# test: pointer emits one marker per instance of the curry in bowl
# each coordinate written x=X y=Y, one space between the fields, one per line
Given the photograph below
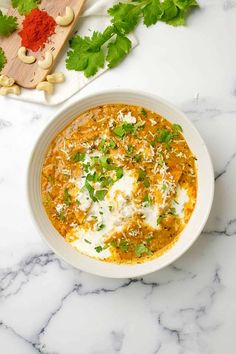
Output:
x=119 y=183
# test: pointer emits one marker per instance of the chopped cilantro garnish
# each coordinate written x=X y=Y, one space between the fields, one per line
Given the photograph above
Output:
x=144 y=112
x=78 y=156
x=86 y=167
x=124 y=245
x=112 y=144
x=130 y=149
x=172 y=211
x=147 y=200
x=100 y=227
x=149 y=239
x=140 y=249
x=49 y=179
x=100 y=194
x=87 y=241
x=119 y=131
x=138 y=125
x=98 y=249
x=110 y=207
x=177 y=128
x=165 y=136
x=160 y=219
x=119 y=173
x=67 y=197
x=106 y=181
x=105 y=162
x=91 y=191
x=92 y=177
x=127 y=128
x=141 y=175
x=164 y=187
x=146 y=183
x=103 y=146
x=62 y=216
x=113 y=243
x=138 y=158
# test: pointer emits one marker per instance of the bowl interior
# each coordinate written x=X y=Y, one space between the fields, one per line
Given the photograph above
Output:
x=198 y=218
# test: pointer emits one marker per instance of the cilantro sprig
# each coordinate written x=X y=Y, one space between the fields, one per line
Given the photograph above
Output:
x=89 y=54
x=8 y=25
x=25 y=6
x=3 y=59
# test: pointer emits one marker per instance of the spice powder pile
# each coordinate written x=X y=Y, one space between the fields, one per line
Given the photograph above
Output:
x=38 y=26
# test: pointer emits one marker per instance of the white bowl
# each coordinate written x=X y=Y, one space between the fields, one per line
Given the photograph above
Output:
x=204 y=195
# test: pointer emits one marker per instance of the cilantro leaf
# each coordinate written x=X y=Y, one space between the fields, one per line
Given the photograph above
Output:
x=78 y=156
x=119 y=131
x=141 y=174
x=3 y=59
x=144 y=112
x=100 y=227
x=117 y=50
x=152 y=12
x=124 y=246
x=140 y=249
x=119 y=173
x=160 y=219
x=87 y=241
x=98 y=249
x=25 y=6
x=91 y=191
x=67 y=197
x=147 y=200
x=177 y=128
x=100 y=194
x=8 y=24
x=169 y=9
x=165 y=136
x=125 y=17
x=86 y=54
x=185 y=4
x=183 y=7
x=112 y=144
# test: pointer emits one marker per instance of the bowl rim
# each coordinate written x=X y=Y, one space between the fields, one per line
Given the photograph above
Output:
x=152 y=97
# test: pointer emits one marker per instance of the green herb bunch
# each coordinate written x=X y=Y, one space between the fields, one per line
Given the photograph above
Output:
x=89 y=54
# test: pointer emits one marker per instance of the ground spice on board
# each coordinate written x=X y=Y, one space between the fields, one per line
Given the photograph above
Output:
x=38 y=26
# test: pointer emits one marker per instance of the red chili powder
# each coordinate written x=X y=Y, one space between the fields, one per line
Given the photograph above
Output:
x=38 y=26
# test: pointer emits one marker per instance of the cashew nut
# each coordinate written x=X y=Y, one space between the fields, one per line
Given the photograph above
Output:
x=6 y=81
x=22 y=55
x=15 y=90
x=67 y=19
x=46 y=87
x=56 y=78
x=47 y=62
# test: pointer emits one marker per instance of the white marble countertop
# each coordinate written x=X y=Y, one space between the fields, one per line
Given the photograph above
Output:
x=188 y=308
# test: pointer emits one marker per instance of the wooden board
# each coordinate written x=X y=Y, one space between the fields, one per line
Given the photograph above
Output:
x=29 y=75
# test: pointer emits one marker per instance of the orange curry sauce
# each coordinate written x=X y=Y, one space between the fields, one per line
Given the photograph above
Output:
x=95 y=153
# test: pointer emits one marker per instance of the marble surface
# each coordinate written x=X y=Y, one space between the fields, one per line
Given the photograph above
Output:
x=188 y=308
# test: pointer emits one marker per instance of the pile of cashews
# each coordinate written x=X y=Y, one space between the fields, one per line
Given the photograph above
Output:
x=8 y=86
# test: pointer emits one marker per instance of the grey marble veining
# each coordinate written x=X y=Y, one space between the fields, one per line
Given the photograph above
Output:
x=189 y=307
